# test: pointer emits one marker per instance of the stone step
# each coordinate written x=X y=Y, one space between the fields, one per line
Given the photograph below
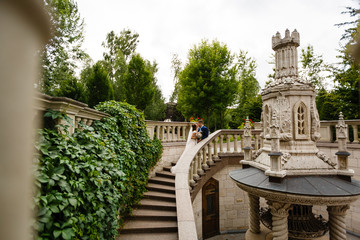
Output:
x=160 y=196
x=148 y=236
x=160 y=188
x=165 y=174
x=163 y=181
x=167 y=169
x=149 y=226
x=151 y=214
x=156 y=205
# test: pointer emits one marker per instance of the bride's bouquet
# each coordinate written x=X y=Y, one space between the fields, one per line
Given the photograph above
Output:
x=198 y=135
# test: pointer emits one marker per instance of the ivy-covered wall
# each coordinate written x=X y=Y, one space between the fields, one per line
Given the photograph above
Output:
x=89 y=181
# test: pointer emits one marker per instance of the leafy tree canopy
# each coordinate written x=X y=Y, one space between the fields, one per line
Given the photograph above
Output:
x=208 y=80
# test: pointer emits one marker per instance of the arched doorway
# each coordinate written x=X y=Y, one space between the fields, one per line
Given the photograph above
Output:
x=210 y=208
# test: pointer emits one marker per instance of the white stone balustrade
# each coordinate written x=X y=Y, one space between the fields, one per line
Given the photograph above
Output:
x=327 y=128
x=76 y=111
x=168 y=131
x=193 y=165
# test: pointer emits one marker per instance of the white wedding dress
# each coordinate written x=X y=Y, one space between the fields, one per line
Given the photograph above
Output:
x=190 y=143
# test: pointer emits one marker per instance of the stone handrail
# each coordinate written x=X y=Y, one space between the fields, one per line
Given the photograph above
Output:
x=76 y=111
x=326 y=130
x=194 y=163
x=168 y=131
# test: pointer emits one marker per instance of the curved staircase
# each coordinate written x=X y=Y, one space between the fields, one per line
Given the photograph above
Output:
x=155 y=216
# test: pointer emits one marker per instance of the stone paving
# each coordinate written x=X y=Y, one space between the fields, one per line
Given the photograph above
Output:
x=241 y=236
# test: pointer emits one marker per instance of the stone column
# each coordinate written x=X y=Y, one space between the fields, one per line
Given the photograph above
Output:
x=173 y=133
x=215 y=149
x=178 y=133
x=254 y=221
x=204 y=165
x=158 y=132
x=209 y=161
x=337 y=226
x=200 y=171
x=168 y=133
x=280 y=213
x=228 y=143
x=355 y=131
x=221 y=143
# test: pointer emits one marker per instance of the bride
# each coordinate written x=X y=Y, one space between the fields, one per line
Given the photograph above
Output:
x=191 y=141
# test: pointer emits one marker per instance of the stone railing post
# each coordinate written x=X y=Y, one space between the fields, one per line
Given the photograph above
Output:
x=168 y=133
x=158 y=132
x=280 y=213
x=355 y=133
x=204 y=165
x=200 y=171
x=254 y=221
x=209 y=161
x=173 y=133
x=257 y=140
x=178 y=133
x=236 y=143
x=191 y=176
x=195 y=168
x=337 y=226
x=221 y=143
x=228 y=149
x=242 y=141
x=215 y=148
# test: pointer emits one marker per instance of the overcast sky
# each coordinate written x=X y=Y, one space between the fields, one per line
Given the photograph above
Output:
x=174 y=26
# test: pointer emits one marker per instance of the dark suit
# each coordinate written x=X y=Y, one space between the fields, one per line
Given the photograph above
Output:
x=204 y=132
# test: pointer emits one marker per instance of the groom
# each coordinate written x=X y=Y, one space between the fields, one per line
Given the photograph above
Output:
x=204 y=130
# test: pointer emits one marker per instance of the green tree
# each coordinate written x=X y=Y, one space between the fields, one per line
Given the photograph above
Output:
x=72 y=88
x=63 y=52
x=157 y=108
x=139 y=83
x=313 y=67
x=207 y=82
x=99 y=86
x=176 y=67
x=119 y=48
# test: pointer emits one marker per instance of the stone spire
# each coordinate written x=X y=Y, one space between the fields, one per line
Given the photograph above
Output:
x=286 y=58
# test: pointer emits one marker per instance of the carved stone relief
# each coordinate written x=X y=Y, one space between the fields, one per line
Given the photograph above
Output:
x=315 y=122
x=283 y=113
x=325 y=158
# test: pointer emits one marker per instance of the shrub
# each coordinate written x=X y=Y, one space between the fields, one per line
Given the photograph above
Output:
x=88 y=182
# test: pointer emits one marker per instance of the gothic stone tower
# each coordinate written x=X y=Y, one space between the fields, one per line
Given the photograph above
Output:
x=289 y=171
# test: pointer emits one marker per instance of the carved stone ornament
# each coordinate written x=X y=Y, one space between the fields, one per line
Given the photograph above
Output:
x=258 y=152
x=285 y=158
x=325 y=158
x=315 y=122
x=341 y=127
x=283 y=114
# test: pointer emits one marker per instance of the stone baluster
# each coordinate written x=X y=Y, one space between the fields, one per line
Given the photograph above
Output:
x=200 y=171
x=84 y=121
x=221 y=143
x=236 y=143
x=355 y=133
x=173 y=133
x=209 y=161
x=77 y=120
x=178 y=133
x=168 y=133
x=254 y=214
x=337 y=226
x=158 y=132
x=204 y=165
x=89 y=122
x=195 y=168
x=162 y=133
x=191 y=176
x=280 y=213
x=215 y=149
x=242 y=141
x=228 y=136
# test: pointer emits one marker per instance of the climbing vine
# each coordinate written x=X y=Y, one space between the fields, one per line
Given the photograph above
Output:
x=89 y=181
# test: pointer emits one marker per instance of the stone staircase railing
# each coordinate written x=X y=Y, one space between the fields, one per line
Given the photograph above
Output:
x=194 y=163
x=168 y=131
x=77 y=111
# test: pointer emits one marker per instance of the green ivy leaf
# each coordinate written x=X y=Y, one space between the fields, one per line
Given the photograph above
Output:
x=67 y=233
x=73 y=201
x=57 y=233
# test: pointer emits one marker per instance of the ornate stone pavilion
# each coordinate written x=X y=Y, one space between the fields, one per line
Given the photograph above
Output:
x=289 y=171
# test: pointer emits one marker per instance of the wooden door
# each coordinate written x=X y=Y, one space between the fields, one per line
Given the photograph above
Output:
x=210 y=205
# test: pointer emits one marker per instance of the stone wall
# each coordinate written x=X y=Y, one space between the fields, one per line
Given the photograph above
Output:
x=171 y=153
x=232 y=200
x=353 y=214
